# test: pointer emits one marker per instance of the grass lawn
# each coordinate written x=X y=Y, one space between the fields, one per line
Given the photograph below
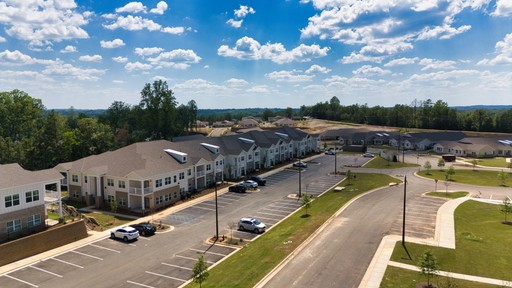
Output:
x=482 y=241
x=491 y=162
x=473 y=177
x=249 y=265
x=450 y=195
x=55 y=216
x=381 y=163
x=402 y=278
x=107 y=221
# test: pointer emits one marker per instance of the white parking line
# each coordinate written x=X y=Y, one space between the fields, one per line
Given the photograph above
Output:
x=267 y=218
x=204 y=208
x=86 y=255
x=270 y=214
x=46 y=271
x=14 y=278
x=181 y=267
x=133 y=245
x=140 y=284
x=213 y=253
x=193 y=259
x=101 y=247
x=66 y=262
x=162 y=275
x=275 y=211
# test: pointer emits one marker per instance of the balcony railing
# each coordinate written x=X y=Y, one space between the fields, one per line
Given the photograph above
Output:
x=135 y=190
x=200 y=173
x=64 y=181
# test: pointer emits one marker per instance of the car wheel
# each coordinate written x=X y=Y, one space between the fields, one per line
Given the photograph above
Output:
x=241 y=228
x=112 y=235
x=125 y=239
x=143 y=233
x=257 y=231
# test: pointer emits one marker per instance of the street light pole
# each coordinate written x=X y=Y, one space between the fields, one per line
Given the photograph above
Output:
x=216 y=210
x=335 y=164
x=403 y=223
x=300 y=168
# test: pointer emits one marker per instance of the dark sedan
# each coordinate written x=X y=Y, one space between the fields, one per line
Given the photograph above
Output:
x=258 y=179
x=144 y=229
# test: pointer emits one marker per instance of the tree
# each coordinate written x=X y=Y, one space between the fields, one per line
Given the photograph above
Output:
x=306 y=202
x=427 y=166
x=200 y=271
x=506 y=208
x=502 y=175
x=474 y=162
x=450 y=173
x=159 y=110
x=428 y=266
x=349 y=175
x=440 y=163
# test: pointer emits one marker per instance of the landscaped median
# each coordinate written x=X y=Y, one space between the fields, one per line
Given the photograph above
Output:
x=253 y=262
x=482 y=249
x=467 y=176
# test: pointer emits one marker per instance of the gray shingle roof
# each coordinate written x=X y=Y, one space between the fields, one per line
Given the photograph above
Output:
x=13 y=175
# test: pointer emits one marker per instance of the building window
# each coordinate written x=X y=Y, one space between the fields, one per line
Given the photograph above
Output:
x=34 y=220
x=12 y=200
x=159 y=199
x=122 y=184
x=111 y=198
x=122 y=202
x=110 y=182
x=189 y=172
x=168 y=180
x=75 y=194
x=158 y=183
x=175 y=194
x=167 y=196
x=249 y=157
x=32 y=196
x=74 y=178
x=175 y=179
x=182 y=175
x=13 y=226
x=85 y=179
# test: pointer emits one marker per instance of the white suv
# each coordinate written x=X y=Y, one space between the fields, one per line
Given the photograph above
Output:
x=251 y=224
x=126 y=233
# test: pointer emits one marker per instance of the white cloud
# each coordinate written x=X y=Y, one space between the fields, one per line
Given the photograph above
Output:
x=120 y=59
x=91 y=58
x=233 y=82
x=22 y=76
x=442 y=32
x=173 y=30
x=69 y=70
x=148 y=51
x=234 y=23
x=132 y=66
x=40 y=21
x=200 y=86
x=17 y=58
x=133 y=24
x=178 y=59
x=401 y=61
x=112 y=44
x=161 y=7
x=244 y=11
x=247 y=48
x=436 y=64
x=503 y=8
x=289 y=76
x=317 y=68
x=356 y=58
x=109 y=16
x=504 y=51
x=132 y=7
x=369 y=70
x=69 y=49
x=2 y=39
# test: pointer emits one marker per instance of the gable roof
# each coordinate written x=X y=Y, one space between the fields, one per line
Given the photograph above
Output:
x=13 y=175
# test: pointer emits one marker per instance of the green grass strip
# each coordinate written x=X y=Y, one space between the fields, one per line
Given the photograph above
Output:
x=381 y=163
x=249 y=265
x=483 y=244
x=449 y=195
x=473 y=177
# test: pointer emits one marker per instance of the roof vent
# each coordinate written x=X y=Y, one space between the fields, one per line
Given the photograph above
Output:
x=282 y=135
x=249 y=141
x=179 y=156
x=212 y=148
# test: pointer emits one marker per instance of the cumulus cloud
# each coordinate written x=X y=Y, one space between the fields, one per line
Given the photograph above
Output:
x=120 y=59
x=147 y=51
x=132 y=23
x=69 y=70
x=112 y=44
x=436 y=64
x=368 y=70
x=2 y=39
x=91 y=58
x=17 y=58
x=317 y=68
x=357 y=57
x=173 y=30
x=289 y=76
x=132 y=7
x=240 y=14
x=161 y=7
x=69 y=49
x=235 y=23
x=247 y=48
x=234 y=82
x=401 y=61
x=442 y=32
x=504 y=51
x=41 y=22
x=503 y=8
x=132 y=66
x=178 y=59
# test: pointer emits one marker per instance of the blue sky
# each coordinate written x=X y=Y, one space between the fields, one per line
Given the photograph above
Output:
x=261 y=53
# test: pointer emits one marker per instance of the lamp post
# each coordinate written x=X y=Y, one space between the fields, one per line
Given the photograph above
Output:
x=403 y=223
x=216 y=208
x=335 y=164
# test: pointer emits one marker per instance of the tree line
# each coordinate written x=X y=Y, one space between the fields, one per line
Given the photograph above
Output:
x=37 y=138
x=419 y=114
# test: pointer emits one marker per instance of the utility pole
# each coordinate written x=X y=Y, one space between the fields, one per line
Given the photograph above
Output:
x=403 y=223
x=335 y=156
x=216 y=209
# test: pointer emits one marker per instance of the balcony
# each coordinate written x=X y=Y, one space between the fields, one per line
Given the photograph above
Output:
x=138 y=191
x=200 y=173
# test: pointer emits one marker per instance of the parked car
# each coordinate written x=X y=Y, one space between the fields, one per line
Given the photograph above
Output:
x=300 y=164
x=251 y=224
x=249 y=184
x=330 y=152
x=368 y=155
x=258 y=179
x=238 y=188
x=144 y=228
x=126 y=233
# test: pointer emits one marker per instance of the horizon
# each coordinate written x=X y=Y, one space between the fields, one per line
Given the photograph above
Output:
x=88 y=54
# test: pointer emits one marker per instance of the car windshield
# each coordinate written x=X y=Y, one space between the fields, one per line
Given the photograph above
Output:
x=256 y=222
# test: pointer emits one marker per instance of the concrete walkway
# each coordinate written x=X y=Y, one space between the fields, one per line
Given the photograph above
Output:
x=444 y=237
